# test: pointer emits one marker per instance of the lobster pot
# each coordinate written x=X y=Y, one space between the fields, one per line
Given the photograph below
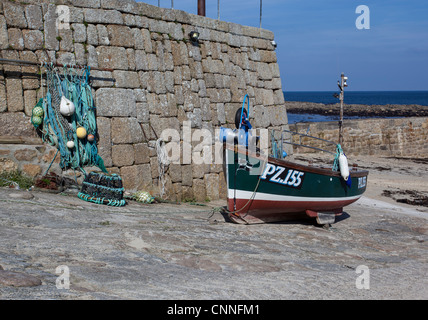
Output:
x=102 y=188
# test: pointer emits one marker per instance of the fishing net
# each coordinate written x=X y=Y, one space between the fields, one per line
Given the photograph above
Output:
x=66 y=118
x=102 y=188
x=60 y=130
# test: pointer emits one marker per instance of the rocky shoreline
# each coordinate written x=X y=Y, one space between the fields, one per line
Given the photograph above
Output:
x=389 y=110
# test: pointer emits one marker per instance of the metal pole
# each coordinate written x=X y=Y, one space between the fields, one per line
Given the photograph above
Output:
x=21 y=62
x=201 y=7
x=261 y=5
x=218 y=9
x=342 y=83
x=172 y=4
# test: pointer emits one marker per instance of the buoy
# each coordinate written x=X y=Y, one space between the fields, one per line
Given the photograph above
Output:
x=91 y=137
x=37 y=120
x=343 y=166
x=66 y=107
x=227 y=135
x=81 y=132
x=70 y=144
x=38 y=111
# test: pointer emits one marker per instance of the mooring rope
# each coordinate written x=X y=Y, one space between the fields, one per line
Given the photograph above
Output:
x=163 y=163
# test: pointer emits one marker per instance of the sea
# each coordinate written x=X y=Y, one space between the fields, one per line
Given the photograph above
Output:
x=352 y=97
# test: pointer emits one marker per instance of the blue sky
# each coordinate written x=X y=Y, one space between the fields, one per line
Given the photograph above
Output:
x=318 y=40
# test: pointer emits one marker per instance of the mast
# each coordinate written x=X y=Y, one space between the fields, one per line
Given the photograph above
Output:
x=342 y=84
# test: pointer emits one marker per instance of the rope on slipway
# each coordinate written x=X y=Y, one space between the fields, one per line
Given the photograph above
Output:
x=163 y=163
x=10 y=182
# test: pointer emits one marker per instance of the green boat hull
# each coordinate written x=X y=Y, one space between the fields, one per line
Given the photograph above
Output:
x=268 y=189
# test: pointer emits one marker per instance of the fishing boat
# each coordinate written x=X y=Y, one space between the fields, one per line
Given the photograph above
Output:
x=270 y=188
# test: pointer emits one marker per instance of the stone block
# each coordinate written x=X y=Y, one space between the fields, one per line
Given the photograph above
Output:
x=30 y=100
x=126 y=130
x=137 y=177
x=14 y=14
x=261 y=118
x=18 y=125
x=268 y=56
x=212 y=186
x=4 y=37
x=120 y=36
x=15 y=101
x=140 y=95
x=156 y=82
x=199 y=170
x=187 y=175
x=112 y=57
x=32 y=170
x=154 y=167
x=69 y=57
x=174 y=172
x=34 y=17
x=50 y=28
x=79 y=32
x=142 y=153
x=199 y=190
x=277 y=115
x=92 y=34
x=101 y=79
x=131 y=58
x=25 y=154
x=264 y=71
x=219 y=96
x=143 y=113
x=129 y=6
x=122 y=155
x=278 y=97
x=33 y=39
x=138 y=38
x=148 y=47
x=126 y=79
x=66 y=43
x=92 y=56
x=141 y=60
x=86 y=3
x=16 y=40
x=179 y=53
x=103 y=35
x=159 y=124
x=7 y=165
x=3 y=100
x=103 y=16
x=104 y=141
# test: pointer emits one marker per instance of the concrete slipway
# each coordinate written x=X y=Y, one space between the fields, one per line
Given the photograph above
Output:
x=376 y=250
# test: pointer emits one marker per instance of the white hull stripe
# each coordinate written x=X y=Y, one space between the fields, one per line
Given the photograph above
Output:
x=275 y=197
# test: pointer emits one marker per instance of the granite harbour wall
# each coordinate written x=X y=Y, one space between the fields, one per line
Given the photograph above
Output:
x=396 y=137
x=158 y=80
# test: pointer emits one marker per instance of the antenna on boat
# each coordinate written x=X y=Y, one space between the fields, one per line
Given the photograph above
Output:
x=341 y=84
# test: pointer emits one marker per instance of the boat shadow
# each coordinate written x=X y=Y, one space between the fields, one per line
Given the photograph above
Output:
x=304 y=220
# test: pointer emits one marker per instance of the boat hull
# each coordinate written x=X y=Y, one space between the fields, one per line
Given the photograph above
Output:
x=269 y=190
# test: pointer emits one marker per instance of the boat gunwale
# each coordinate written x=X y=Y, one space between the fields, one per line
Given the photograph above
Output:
x=301 y=167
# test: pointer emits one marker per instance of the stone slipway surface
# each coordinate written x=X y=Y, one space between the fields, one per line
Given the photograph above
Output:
x=166 y=251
